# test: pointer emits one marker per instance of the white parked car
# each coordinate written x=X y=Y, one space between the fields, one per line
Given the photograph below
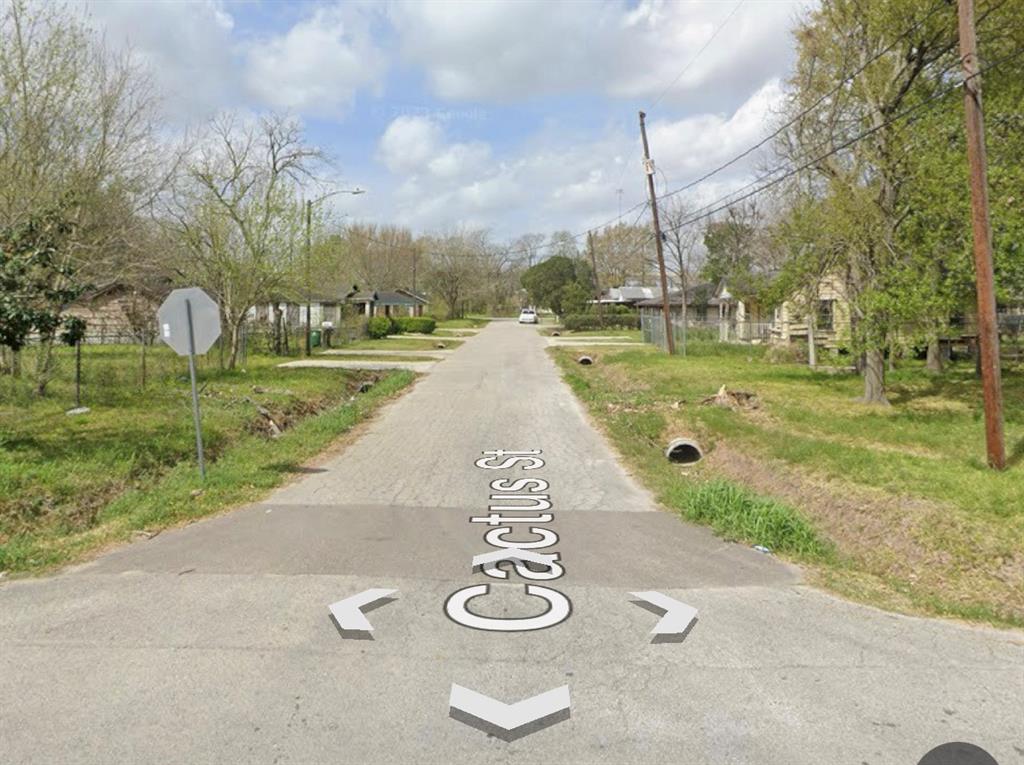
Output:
x=527 y=316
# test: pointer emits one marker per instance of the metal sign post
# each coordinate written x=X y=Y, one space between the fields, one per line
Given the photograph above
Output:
x=195 y=393
x=190 y=324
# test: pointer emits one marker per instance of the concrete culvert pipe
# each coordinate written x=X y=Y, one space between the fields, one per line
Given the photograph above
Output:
x=585 y=361
x=684 y=451
x=556 y=334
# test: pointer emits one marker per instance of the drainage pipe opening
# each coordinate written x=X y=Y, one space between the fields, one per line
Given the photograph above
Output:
x=585 y=361
x=684 y=451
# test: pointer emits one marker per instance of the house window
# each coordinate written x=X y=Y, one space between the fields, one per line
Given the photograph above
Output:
x=702 y=313
x=825 y=314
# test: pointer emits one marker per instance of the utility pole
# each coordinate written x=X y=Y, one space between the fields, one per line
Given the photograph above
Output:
x=988 y=329
x=309 y=301
x=670 y=340
x=593 y=265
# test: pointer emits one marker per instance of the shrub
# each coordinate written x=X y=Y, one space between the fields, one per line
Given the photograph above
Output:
x=584 y=321
x=422 y=324
x=378 y=327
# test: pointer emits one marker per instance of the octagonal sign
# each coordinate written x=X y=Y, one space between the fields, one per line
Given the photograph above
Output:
x=173 y=318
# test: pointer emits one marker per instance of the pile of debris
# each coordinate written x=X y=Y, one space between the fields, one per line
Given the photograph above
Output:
x=732 y=399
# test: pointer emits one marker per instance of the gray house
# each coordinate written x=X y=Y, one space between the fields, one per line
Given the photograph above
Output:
x=399 y=302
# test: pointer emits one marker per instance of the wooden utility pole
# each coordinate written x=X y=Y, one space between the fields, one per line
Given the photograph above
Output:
x=988 y=329
x=670 y=340
x=593 y=265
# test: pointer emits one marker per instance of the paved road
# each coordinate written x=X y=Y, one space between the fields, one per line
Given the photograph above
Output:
x=213 y=644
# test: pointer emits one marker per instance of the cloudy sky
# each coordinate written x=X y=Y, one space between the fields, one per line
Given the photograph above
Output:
x=517 y=115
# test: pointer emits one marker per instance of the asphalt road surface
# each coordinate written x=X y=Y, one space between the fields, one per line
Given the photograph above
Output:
x=214 y=643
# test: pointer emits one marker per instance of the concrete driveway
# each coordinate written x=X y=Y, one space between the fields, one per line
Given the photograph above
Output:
x=214 y=643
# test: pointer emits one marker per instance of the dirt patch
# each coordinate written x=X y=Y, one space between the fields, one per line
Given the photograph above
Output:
x=897 y=539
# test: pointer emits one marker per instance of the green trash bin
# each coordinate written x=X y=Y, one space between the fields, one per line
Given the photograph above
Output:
x=314 y=338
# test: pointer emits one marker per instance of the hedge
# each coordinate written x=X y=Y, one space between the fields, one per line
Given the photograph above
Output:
x=378 y=327
x=422 y=324
x=585 y=321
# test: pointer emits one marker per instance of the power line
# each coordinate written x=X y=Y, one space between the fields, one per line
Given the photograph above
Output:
x=697 y=55
x=847 y=79
x=701 y=214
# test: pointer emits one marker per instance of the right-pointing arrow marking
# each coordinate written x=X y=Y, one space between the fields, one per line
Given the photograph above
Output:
x=348 y=615
x=509 y=721
x=678 y=618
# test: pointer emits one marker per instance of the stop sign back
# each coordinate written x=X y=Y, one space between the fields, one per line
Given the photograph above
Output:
x=173 y=318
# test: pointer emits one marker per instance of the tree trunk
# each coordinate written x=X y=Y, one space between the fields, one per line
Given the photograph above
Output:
x=278 y=319
x=235 y=340
x=812 y=349
x=874 y=378
x=44 y=365
x=934 y=363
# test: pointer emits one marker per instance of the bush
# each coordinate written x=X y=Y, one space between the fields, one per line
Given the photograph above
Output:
x=584 y=321
x=422 y=324
x=378 y=327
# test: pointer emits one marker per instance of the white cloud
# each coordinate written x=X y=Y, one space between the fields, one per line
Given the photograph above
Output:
x=509 y=51
x=696 y=144
x=548 y=183
x=409 y=143
x=318 y=65
x=187 y=47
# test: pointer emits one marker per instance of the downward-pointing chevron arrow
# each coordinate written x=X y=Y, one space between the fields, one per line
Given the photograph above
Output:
x=678 y=618
x=509 y=721
x=349 y=617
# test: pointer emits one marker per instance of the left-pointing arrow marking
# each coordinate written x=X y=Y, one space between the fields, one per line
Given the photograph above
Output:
x=678 y=618
x=349 y=617
x=509 y=721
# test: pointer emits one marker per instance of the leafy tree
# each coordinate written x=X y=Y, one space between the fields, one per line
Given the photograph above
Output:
x=36 y=284
x=575 y=298
x=547 y=281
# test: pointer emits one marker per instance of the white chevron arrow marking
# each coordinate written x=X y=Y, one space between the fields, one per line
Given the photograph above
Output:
x=509 y=721
x=348 y=614
x=490 y=559
x=678 y=618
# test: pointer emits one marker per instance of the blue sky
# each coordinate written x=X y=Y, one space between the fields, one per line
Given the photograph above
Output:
x=516 y=116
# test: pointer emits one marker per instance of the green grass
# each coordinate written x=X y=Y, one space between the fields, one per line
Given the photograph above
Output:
x=900 y=494
x=400 y=343
x=624 y=334
x=71 y=484
x=737 y=513
x=469 y=322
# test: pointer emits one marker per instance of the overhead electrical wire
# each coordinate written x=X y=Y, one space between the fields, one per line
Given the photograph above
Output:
x=720 y=204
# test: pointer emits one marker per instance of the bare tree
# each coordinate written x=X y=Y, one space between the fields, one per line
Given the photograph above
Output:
x=237 y=215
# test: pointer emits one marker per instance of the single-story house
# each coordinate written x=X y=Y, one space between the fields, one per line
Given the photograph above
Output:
x=627 y=295
x=119 y=313
x=830 y=312
x=398 y=302
x=740 y=319
x=323 y=309
x=699 y=313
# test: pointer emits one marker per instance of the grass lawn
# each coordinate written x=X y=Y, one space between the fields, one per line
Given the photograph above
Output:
x=903 y=510
x=400 y=343
x=624 y=334
x=72 y=484
x=469 y=322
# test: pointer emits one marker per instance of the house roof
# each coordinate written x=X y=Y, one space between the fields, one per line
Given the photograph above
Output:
x=387 y=297
x=695 y=295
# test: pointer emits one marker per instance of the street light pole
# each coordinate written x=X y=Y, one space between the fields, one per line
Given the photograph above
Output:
x=309 y=248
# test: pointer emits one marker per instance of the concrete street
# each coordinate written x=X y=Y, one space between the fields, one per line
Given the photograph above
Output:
x=214 y=644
